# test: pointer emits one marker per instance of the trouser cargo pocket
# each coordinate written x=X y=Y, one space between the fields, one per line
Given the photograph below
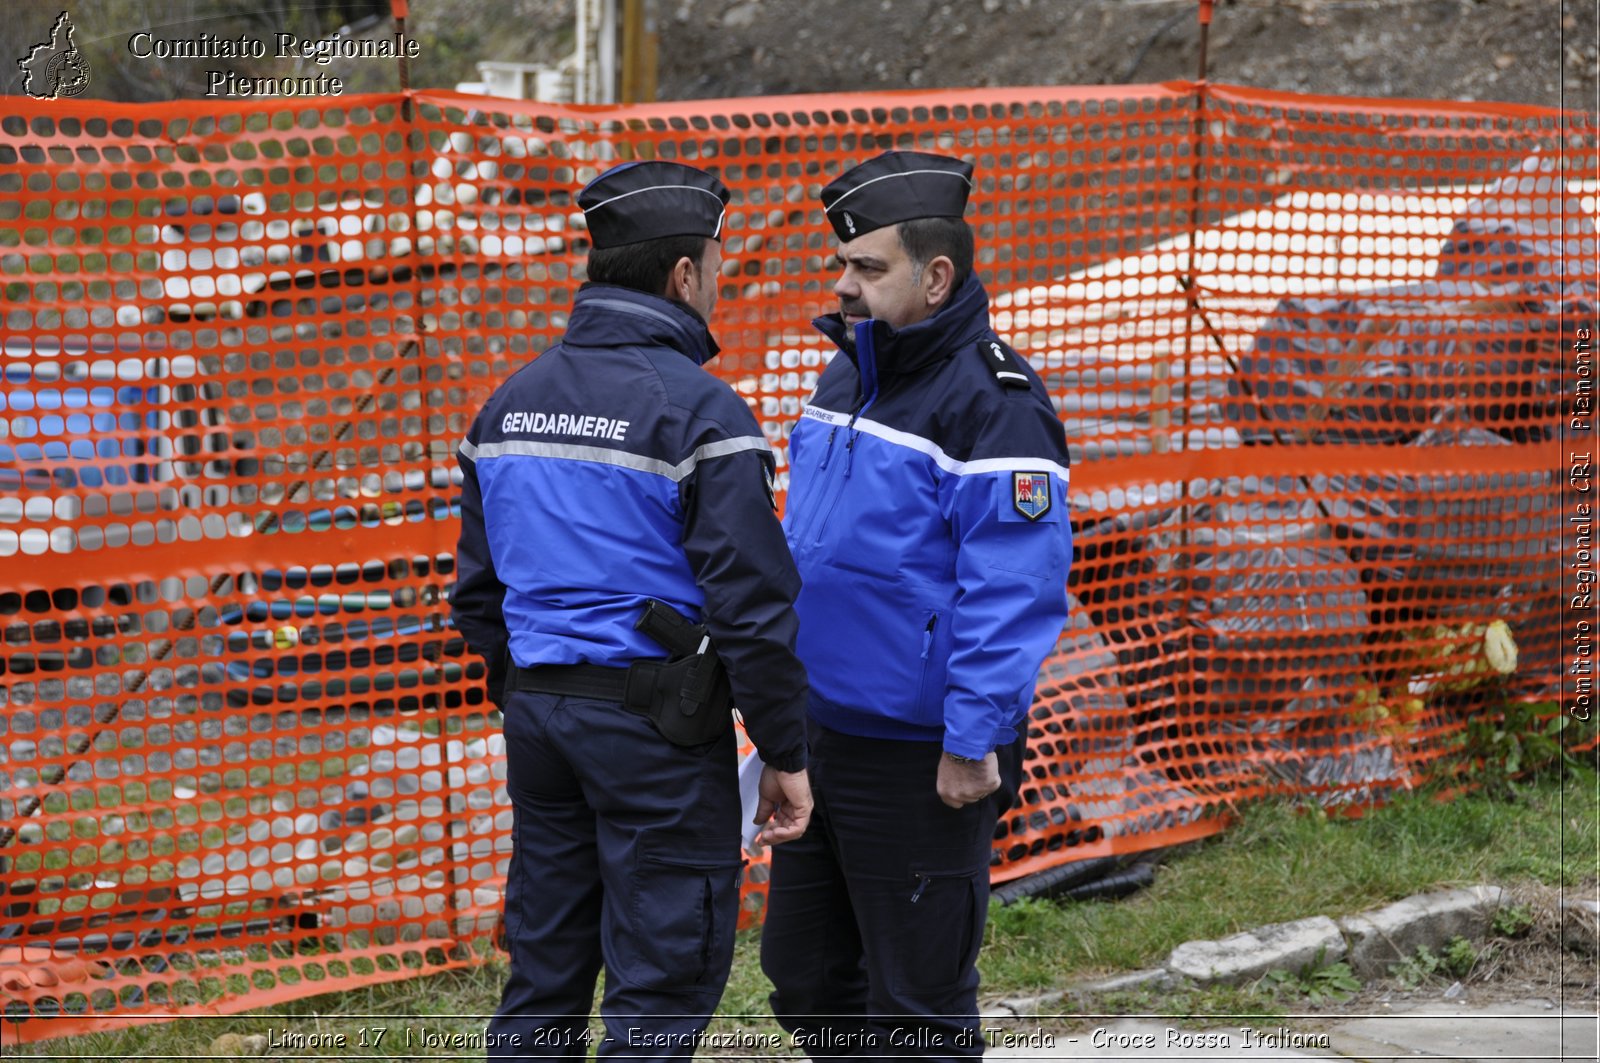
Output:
x=940 y=930
x=685 y=902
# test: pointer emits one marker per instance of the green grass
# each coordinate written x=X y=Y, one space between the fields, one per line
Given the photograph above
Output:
x=1281 y=863
x=1278 y=863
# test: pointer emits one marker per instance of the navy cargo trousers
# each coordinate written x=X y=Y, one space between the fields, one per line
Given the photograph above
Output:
x=626 y=855
x=875 y=917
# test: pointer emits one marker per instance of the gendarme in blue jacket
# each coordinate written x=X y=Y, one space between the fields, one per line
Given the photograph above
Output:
x=928 y=515
x=610 y=470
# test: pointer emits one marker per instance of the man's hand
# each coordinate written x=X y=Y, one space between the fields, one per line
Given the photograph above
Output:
x=962 y=782
x=785 y=805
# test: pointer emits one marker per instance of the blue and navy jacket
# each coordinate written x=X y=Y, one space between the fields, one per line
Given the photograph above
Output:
x=927 y=511
x=613 y=469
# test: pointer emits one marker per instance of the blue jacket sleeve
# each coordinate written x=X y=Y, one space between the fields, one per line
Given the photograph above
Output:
x=478 y=599
x=1008 y=510
x=741 y=562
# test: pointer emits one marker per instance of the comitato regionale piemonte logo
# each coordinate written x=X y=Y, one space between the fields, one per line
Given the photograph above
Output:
x=55 y=68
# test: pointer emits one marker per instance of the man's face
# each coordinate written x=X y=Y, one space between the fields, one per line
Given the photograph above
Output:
x=878 y=279
x=705 y=295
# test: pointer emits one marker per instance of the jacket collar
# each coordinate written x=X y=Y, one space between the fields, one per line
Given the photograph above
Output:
x=605 y=315
x=963 y=319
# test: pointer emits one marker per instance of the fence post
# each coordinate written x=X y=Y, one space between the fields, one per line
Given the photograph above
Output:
x=1185 y=560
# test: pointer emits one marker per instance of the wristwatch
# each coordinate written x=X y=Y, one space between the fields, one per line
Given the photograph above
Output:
x=959 y=759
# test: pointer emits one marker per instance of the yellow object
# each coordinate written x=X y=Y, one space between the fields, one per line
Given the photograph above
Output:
x=1499 y=648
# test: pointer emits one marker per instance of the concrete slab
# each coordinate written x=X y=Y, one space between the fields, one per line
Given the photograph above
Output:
x=1247 y=956
x=1467 y=1033
x=1443 y=1031
x=1381 y=938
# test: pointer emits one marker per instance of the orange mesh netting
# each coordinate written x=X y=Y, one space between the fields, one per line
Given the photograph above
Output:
x=1309 y=357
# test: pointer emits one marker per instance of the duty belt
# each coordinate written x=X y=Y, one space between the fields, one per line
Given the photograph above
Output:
x=575 y=681
x=651 y=688
x=686 y=696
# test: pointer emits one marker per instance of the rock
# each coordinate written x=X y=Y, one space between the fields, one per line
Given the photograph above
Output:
x=1383 y=937
x=1155 y=978
x=742 y=16
x=1580 y=926
x=1244 y=957
x=233 y=1044
x=1039 y=1005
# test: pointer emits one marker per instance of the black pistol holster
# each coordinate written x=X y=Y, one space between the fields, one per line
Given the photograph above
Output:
x=686 y=696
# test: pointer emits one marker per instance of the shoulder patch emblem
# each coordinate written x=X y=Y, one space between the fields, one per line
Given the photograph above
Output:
x=1030 y=493
x=1001 y=362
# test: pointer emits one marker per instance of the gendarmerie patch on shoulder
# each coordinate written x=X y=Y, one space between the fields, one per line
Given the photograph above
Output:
x=1030 y=493
x=1003 y=363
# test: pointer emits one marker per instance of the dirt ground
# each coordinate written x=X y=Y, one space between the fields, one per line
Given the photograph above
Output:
x=1527 y=51
x=1536 y=968
x=1543 y=967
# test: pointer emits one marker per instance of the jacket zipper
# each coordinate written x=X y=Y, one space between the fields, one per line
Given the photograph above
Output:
x=865 y=350
x=927 y=649
x=836 y=487
x=827 y=452
x=824 y=489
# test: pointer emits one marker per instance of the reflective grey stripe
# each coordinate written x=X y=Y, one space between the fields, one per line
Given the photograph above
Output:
x=634 y=308
x=528 y=448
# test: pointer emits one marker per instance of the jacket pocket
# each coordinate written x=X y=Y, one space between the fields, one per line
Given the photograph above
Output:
x=866 y=645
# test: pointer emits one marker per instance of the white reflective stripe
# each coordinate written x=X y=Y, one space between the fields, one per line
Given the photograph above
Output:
x=931 y=449
x=527 y=448
x=885 y=177
x=467 y=450
x=1016 y=465
x=1012 y=376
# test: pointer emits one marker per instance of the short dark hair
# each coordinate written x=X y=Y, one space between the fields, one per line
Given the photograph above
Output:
x=925 y=239
x=646 y=265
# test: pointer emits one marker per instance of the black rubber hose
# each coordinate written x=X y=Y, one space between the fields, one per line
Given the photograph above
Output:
x=1111 y=887
x=1056 y=880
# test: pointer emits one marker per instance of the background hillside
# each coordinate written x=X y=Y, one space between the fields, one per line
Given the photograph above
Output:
x=1528 y=51
x=1522 y=50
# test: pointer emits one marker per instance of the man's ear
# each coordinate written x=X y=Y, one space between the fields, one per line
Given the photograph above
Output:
x=684 y=272
x=940 y=275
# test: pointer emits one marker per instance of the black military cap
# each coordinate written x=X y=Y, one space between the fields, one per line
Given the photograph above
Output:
x=648 y=200
x=894 y=187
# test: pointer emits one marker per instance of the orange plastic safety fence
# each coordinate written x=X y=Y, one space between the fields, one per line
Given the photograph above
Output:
x=1309 y=353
